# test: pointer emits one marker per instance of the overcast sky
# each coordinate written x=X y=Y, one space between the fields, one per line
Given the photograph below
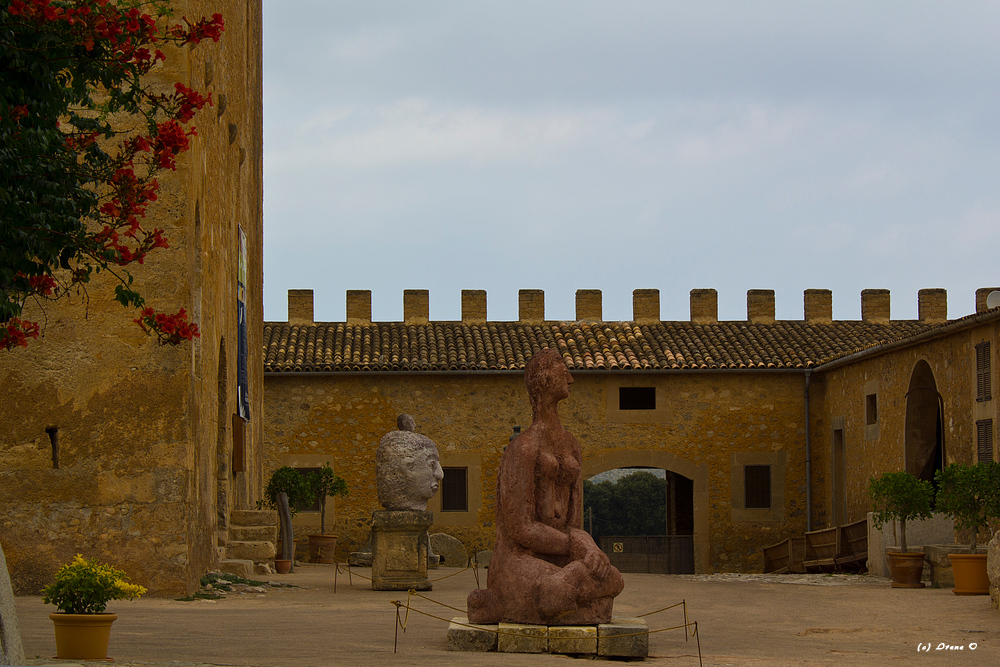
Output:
x=786 y=145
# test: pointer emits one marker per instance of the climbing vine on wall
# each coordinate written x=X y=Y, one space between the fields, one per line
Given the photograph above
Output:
x=82 y=139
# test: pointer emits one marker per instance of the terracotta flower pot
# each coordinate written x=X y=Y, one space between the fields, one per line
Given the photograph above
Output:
x=321 y=548
x=282 y=565
x=907 y=569
x=82 y=636
x=970 y=574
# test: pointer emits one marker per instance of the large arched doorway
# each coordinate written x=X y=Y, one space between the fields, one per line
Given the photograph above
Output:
x=924 y=434
x=643 y=518
x=685 y=499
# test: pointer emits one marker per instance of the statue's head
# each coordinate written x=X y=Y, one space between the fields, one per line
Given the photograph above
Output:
x=546 y=377
x=407 y=470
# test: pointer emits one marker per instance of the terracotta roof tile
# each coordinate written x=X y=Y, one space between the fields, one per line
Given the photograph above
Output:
x=455 y=346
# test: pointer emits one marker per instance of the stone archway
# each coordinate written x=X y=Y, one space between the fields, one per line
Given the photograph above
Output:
x=697 y=473
x=923 y=435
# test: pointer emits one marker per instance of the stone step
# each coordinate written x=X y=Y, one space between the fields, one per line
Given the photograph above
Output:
x=253 y=551
x=253 y=534
x=241 y=568
x=253 y=518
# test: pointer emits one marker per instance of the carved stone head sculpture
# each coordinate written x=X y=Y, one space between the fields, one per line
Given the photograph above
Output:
x=407 y=469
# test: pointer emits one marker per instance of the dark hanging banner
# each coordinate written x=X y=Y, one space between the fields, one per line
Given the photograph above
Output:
x=242 y=380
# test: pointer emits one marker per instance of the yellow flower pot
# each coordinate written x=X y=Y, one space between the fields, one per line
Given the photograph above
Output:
x=82 y=636
x=970 y=574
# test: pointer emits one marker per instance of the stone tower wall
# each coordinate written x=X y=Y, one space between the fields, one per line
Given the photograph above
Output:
x=145 y=475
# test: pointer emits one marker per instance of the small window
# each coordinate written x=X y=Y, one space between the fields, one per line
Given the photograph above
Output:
x=302 y=507
x=983 y=380
x=455 y=490
x=757 y=486
x=871 y=409
x=637 y=398
x=984 y=439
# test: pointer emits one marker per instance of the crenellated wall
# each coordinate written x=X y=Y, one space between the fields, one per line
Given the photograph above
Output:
x=704 y=306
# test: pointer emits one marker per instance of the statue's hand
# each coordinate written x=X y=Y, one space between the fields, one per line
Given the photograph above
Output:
x=598 y=564
x=583 y=549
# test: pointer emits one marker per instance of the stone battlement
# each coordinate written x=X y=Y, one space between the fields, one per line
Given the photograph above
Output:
x=817 y=306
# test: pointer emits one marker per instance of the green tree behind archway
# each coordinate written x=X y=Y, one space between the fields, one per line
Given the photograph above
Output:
x=633 y=505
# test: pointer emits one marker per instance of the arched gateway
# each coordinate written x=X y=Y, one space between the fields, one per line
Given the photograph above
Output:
x=697 y=473
x=924 y=435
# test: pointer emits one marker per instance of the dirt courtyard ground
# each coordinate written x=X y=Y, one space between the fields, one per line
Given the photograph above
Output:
x=743 y=620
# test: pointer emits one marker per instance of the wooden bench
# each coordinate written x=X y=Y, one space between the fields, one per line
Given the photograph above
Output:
x=785 y=556
x=822 y=550
x=853 y=555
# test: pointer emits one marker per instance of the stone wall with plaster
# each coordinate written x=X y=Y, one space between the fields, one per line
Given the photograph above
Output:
x=709 y=425
x=907 y=381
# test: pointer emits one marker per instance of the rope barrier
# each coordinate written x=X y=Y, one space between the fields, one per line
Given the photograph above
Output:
x=690 y=627
x=401 y=622
x=346 y=565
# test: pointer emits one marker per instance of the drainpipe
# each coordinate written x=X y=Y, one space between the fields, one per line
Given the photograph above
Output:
x=809 y=515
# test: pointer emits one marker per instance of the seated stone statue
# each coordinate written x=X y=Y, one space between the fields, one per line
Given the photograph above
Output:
x=545 y=569
x=407 y=468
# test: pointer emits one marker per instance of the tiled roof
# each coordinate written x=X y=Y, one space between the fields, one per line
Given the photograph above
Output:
x=457 y=346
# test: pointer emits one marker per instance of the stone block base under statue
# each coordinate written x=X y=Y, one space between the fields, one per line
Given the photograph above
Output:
x=621 y=638
x=399 y=550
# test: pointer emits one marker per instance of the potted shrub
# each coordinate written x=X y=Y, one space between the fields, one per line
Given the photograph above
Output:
x=81 y=592
x=324 y=483
x=899 y=496
x=970 y=495
x=296 y=487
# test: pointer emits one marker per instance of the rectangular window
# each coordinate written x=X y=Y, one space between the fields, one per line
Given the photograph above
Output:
x=984 y=439
x=455 y=490
x=871 y=409
x=983 y=380
x=637 y=398
x=757 y=486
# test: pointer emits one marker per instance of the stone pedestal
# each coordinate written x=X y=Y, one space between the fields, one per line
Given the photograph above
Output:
x=621 y=638
x=363 y=558
x=399 y=550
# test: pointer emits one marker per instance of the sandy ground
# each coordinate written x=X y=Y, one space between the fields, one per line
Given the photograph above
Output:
x=743 y=620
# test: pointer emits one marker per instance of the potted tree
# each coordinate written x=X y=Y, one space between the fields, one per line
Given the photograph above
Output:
x=81 y=592
x=296 y=487
x=324 y=483
x=899 y=496
x=970 y=495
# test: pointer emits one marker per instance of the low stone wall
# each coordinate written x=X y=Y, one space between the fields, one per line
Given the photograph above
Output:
x=937 y=530
x=942 y=575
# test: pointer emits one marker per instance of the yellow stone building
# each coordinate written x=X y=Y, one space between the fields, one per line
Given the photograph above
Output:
x=722 y=406
x=151 y=461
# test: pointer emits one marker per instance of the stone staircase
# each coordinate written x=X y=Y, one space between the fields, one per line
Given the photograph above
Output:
x=249 y=547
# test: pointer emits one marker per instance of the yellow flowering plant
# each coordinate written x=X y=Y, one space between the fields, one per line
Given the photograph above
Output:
x=85 y=587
